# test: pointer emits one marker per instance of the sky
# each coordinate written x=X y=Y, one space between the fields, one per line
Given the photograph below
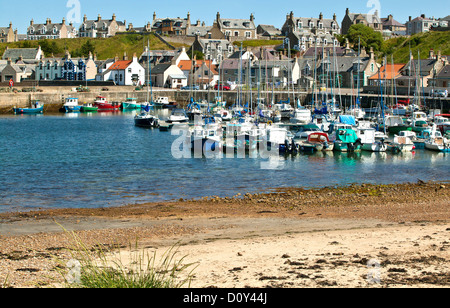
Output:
x=272 y=12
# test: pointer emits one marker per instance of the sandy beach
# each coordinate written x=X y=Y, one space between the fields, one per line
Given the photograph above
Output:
x=354 y=236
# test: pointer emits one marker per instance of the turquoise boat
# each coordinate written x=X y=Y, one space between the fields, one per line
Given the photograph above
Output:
x=36 y=108
x=131 y=104
x=347 y=141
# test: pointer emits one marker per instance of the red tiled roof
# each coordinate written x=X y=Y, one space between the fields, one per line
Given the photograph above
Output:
x=388 y=71
x=120 y=65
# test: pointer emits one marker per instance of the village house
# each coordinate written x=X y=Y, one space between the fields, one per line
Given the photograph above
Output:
x=423 y=24
x=304 y=33
x=28 y=55
x=346 y=71
x=8 y=35
x=160 y=57
x=124 y=72
x=168 y=75
x=442 y=79
x=392 y=27
x=423 y=70
x=67 y=68
x=269 y=32
x=178 y=26
x=234 y=29
x=387 y=76
x=213 y=49
x=371 y=20
x=101 y=27
x=17 y=72
x=199 y=72
x=51 y=30
x=278 y=73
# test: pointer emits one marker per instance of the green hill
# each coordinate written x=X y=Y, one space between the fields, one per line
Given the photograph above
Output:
x=104 y=47
x=400 y=47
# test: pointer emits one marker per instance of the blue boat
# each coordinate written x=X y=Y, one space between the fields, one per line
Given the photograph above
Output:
x=71 y=105
x=36 y=108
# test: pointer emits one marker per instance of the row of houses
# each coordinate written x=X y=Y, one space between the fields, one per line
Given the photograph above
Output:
x=226 y=28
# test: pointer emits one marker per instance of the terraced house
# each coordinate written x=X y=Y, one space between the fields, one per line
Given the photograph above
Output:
x=304 y=32
x=234 y=29
x=7 y=34
x=51 y=30
x=101 y=27
x=66 y=68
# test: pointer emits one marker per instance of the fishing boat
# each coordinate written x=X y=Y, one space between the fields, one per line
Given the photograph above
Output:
x=178 y=116
x=205 y=137
x=88 y=107
x=369 y=141
x=301 y=116
x=395 y=124
x=161 y=102
x=401 y=144
x=146 y=120
x=71 y=105
x=36 y=108
x=104 y=105
x=130 y=104
x=419 y=121
x=347 y=140
x=285 y=109
x=316 y=141
x=276 y=139
x=437 y=142
x=443 y=122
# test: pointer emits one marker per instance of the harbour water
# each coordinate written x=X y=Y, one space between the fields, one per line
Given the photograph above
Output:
x=102 y=159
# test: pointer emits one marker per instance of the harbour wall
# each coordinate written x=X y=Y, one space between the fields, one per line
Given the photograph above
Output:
x=53 y=97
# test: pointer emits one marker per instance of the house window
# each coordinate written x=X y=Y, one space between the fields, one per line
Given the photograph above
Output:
x=129 y=70
x=227 y=33
x=236 y=33
x=311 y=25
x=320 y=25
x=248 y=34
x=300 y=25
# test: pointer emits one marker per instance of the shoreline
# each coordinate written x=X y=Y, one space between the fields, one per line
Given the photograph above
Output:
x=254 y=240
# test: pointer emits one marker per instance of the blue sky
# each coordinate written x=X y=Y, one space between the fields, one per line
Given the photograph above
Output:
x=273 y=12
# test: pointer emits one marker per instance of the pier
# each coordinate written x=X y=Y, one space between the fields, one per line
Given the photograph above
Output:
x=53 y=96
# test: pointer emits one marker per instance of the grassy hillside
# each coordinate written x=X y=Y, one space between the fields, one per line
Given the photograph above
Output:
x=104 y=47
x=423 y=42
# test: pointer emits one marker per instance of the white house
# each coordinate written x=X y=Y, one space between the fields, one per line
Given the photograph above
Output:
x=124 y=72
x=168 y=75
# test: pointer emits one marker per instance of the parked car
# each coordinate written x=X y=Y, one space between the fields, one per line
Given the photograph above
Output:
x=222 y=87
x=194 y=87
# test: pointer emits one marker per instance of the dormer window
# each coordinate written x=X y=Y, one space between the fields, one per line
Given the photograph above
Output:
x=300 y=25
x=55 y=30
x=247 y=24
x=83 y=27
x=104 y=26
x=32 y=31
x=311 y=24
x=226 y=23
x=43 y=30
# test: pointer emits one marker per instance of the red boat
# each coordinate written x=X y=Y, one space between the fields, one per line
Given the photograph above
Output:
x=104 y=105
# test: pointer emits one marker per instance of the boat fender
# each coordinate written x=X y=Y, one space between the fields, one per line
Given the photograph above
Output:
x=269 y=123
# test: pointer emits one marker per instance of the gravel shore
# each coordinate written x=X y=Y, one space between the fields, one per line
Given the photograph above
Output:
x=289 y=237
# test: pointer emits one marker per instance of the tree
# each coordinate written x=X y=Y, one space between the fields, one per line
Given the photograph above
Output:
x=367 y=36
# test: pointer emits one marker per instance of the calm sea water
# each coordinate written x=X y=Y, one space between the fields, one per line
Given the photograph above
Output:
x=99 y=160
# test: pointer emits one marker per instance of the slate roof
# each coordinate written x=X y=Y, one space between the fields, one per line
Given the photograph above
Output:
x=444 y=73
x=243 y=24
x=26 y=53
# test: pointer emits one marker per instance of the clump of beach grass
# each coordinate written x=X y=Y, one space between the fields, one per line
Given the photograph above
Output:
x=99 y=267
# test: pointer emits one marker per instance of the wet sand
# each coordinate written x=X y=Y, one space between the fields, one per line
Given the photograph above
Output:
x=287 y=238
